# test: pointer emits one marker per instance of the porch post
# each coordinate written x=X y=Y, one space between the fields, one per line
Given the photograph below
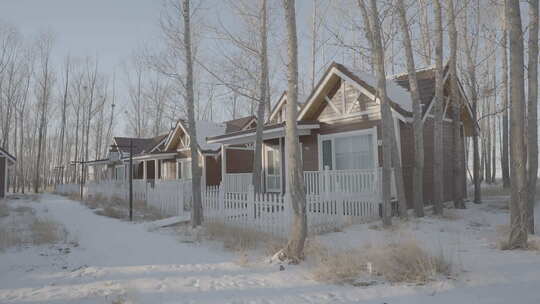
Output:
x=156 y=169
x=144 y=170
x=223 y=164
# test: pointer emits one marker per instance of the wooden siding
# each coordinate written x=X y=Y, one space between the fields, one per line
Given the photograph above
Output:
x=213 y=170
x=407 y=149
x=239 y=161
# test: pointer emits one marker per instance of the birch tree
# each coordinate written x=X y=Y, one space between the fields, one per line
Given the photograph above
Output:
x=196 y=212
x=532 y=110
x=438 y=112
x=294 y=250
x=418 y=128
x=518 y=174
x=456 y=107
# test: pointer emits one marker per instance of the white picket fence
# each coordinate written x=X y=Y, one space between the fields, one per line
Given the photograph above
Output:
x=272 y=213
x=237 y=182
x=169 y=197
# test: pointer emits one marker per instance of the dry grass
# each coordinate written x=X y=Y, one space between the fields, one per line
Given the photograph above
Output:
x=402 y=261
x=46 y=231
x=451 y=215
x=503 y=232
x=9 y=237
x=241 y=240
x=4 y=209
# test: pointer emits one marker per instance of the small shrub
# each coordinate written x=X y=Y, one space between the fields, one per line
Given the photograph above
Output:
x=241 y=239
x=45 y=231
x=402 y=261
x=9 y=237
x=111 y=211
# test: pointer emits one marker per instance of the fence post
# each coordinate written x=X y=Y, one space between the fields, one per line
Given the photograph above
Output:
x=221 y=200
x=326 y=178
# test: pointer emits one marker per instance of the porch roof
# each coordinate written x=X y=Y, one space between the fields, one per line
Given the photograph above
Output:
x=269 y=132
x=98 y=162
x=152 y=156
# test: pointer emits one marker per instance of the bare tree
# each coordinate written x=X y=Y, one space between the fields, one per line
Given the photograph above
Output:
x=456 y=107
x=505 y=167
x=372 y=26
x=438 y=112
x=263 y=99
x=519 y=193
x=294 y=250
x=196 y=212
x=418 y=128
x=471 y=54
x=44 y=84
x=532 y=110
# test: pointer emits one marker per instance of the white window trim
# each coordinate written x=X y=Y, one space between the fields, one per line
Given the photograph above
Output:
x=179 y=161
x=372 y=131
x=266 y=149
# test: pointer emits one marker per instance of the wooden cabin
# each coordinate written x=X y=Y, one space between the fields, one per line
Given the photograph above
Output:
x=6 y=161
x=168 y=156
x=339 y=128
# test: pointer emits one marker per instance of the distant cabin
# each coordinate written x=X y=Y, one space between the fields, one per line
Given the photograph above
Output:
x=6 y=160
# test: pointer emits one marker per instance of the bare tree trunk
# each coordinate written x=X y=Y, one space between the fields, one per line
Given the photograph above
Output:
x=532 y=118
x=518 y=198
x=505 y=167
x=438 y=113
x=456 y=119
x=63 y=122
x=294 y=250
x=390 y=147
x=196 y=212
x=262 y=102
x=418 y=127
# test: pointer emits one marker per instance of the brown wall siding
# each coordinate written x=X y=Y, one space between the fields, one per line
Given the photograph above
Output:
x=239 y=161
x=213 y=170
x=3 y=169
x=310 y=156
x=407 y=143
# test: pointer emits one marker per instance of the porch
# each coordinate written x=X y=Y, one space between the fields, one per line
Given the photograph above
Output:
x=332 y=162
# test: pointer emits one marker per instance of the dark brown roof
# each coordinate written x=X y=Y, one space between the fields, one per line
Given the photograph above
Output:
x=139 y=144
x=6 y=153
x=253 y=130
x=426 y=84
x=237 y=124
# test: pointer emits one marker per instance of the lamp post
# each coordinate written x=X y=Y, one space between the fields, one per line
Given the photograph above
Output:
x=130 y=146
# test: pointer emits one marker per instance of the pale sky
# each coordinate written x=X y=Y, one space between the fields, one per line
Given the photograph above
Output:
x=110 y=29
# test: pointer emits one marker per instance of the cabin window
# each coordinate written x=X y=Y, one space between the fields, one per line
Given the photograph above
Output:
x=348 y=151
x=354 y=152
x=327 y=154
x=119 y=173
x=184 y=169
x=273 y=169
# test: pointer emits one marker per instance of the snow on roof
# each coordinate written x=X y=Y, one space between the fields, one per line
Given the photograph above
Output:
x=396 y=93
x=206 y=129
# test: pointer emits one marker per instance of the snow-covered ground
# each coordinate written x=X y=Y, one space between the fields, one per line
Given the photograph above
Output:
x=111 y=261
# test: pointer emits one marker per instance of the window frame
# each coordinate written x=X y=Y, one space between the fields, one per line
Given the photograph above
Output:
x=371 y=131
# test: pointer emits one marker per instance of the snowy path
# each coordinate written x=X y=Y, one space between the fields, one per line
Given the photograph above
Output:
x=119 y=260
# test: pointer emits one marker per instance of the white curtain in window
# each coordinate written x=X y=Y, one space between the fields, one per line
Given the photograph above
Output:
x=354 y=152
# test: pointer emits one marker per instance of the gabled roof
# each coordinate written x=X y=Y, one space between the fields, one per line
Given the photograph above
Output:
x=204 y=129
x=140 y=145
x=7 y=155
x=277 y=107
x=282 y=101
x=399 y=97
x=238 y=124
